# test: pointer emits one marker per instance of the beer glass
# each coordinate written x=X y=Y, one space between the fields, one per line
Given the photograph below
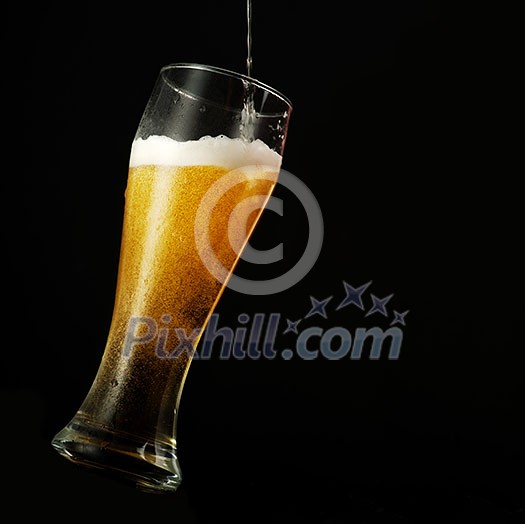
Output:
x=202 y=125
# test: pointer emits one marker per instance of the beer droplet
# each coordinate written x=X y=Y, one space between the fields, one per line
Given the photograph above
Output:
x=114 y=383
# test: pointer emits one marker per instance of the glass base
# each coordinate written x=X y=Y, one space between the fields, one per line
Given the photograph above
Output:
x=151 y=466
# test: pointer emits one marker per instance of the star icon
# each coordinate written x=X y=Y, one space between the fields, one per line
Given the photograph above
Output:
x=353 y=295
x=292 y=326
x=399 y=318
x=379 y=305
x=318 y=307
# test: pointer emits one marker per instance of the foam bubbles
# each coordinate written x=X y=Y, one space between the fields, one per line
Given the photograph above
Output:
x=231 y=153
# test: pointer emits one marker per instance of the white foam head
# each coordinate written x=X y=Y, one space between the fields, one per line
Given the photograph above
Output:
x=231 y=153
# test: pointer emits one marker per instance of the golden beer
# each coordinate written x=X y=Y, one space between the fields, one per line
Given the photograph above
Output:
x=193 y=197
x=163 y=278
x=166 y=293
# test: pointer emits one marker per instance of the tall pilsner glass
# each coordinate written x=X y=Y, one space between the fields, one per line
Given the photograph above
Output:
x=193 y=134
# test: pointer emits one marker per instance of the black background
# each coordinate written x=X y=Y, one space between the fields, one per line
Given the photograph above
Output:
x=399 y=128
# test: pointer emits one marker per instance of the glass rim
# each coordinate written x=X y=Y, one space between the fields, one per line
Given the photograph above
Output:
x=233 y=74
